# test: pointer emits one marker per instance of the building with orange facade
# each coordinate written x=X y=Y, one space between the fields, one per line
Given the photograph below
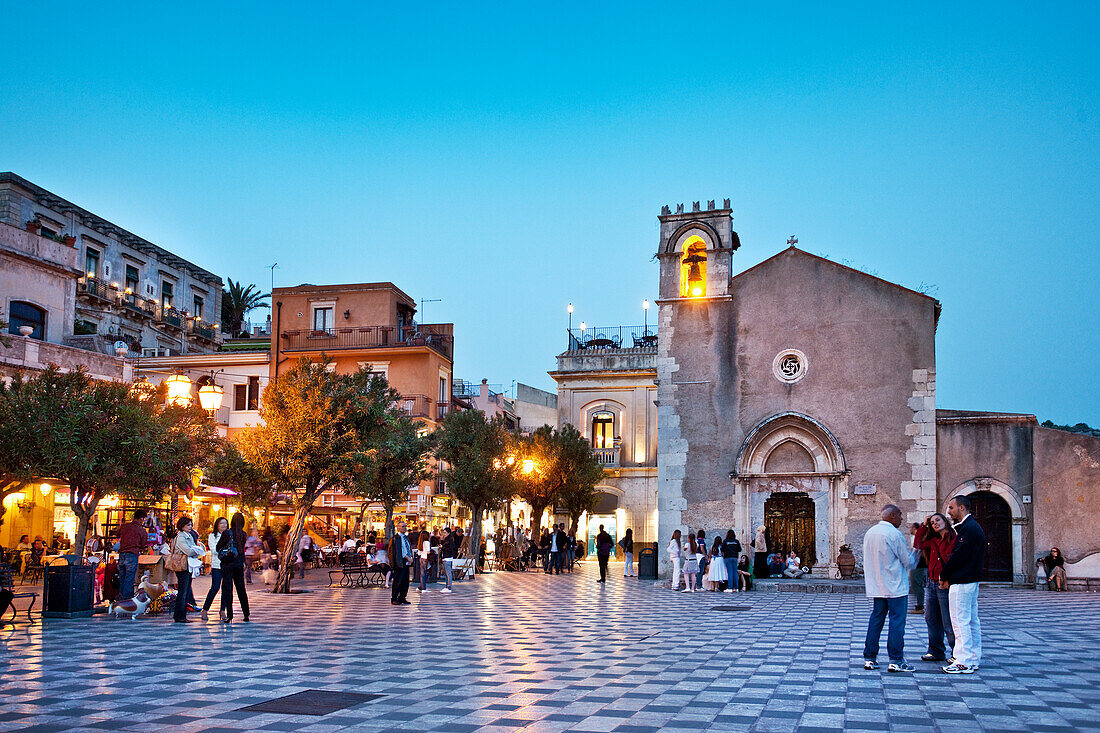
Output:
x=372 y=325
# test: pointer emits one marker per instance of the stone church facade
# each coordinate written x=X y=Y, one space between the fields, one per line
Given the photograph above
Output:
x=800 y=395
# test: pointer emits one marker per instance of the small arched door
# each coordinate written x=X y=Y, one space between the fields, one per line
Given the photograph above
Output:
x=995 y=519
x=789 y=517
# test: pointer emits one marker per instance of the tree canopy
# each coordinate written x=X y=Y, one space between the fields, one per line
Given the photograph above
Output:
x=319 y=430
x=100 y=438
x=477 y=473
x=237 y=301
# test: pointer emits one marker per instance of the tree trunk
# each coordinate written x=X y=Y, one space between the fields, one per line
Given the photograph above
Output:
x=575 y=518
x=286 y=563
x=475 y=534
x=389 y=521
x=83 y=513
x=536 y=519
x=173 y=508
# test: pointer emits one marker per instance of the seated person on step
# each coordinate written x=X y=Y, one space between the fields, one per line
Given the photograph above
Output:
x=794 y=566
x=777 y=562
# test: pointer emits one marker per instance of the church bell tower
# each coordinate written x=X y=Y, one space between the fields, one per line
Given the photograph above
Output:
x=696 y=251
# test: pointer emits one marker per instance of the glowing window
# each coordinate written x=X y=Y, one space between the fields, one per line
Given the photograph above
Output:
x=603 y=430
x=693 y=268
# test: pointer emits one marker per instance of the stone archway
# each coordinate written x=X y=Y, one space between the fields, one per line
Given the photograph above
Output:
x=792 y=459
x=985 y=485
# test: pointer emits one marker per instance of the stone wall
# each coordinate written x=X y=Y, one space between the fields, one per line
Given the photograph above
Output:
x=1067 y=484
x=921 y=456
x=26 y=355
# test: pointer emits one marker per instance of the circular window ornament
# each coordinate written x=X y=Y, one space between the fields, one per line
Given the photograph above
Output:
x=790 y=366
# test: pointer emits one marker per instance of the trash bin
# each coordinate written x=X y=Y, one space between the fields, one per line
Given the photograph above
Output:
x=647 y=563
x=67 y=589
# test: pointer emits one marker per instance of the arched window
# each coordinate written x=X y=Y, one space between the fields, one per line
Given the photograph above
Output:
x=603 y=430
x=27 y=314
x=693 y=268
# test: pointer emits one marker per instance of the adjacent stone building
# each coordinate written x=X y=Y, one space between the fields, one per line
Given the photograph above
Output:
x=800 y=395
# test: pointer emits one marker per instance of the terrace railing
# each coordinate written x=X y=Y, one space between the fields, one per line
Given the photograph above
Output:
x=613 y=337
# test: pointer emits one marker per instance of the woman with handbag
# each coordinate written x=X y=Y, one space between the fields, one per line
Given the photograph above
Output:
x=183 y=547
x=221 y=526
x=231 y=554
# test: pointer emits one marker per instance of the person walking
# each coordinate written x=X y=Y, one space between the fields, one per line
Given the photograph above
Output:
x=604 y=545
x=561 y=539
x=221 y=525
x=959 y=577
x=231 y=554
x=132 y=540
x=760 y=548
x=887 y=560
x=306 y=548
x=936 y=540
x=918 y=576
x=674 y=557
x=627 y=543
x=448 y=551
x=424 y=548
x=731 y=552
x=555 y=551
x=253 y=548
x=184 y=544
x=401 y=559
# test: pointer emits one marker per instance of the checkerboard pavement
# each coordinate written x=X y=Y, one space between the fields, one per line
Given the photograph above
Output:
x=532 y=652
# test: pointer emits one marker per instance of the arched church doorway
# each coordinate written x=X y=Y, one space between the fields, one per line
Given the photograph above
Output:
x=789 y=517
x=995 y=518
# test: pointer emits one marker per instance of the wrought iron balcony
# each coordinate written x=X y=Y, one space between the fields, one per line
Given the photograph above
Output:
x=204 y=330
x=415 y=405
x=139 y=305
x=365 y=337
x=171 y=317
x=607 y=457
x=613 y=337
x=441 y=410
x=95 y=288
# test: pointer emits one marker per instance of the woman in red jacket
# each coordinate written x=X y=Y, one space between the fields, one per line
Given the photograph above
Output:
x=936 y=539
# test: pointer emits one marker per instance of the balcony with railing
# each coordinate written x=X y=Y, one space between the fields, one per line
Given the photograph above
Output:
x=607 y=457
x=415 y=405
x=137 y=305
x=93 y=287
x=171 y=317
x=607 y=338
x=203 y=330
x=441 y=410
x=436 y=336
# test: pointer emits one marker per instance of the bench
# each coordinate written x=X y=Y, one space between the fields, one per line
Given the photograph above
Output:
x=357 y=573
x=7 y=586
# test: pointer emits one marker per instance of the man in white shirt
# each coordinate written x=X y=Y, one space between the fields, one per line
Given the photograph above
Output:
x=887 y=560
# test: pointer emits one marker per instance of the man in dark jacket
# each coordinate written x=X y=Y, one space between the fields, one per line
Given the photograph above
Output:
x=132 y=540
x=959 y=576
x=604 y=544
x=401 y=559
x=561 y=542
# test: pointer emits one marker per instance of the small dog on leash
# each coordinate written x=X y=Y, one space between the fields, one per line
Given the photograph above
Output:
x=270 y=576
x=132 y=607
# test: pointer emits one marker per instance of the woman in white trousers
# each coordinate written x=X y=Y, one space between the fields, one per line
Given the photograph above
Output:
x=674 y=558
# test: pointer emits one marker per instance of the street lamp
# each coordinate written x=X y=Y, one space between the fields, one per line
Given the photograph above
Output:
x=210 y=397
x=528 y=465
x=645 y=311
x=570 y=309
x=179 y=390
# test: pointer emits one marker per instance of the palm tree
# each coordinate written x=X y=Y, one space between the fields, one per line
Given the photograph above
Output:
x=237 y=301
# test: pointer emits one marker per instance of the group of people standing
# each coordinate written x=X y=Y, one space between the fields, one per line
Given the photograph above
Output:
x=226 y=545
x=423 y=550
x=708 y=567
x=954 y=552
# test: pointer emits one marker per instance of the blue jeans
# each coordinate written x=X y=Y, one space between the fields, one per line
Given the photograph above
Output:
x=127 y=572
x=215 y=586
x=183 y=590
x=731 y=572
x=937 y=614
x=897 y=608
x=448 y=571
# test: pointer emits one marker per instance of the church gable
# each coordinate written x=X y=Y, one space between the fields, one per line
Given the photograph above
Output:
x=797 y=268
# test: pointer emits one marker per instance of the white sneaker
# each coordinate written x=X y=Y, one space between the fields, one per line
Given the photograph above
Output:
x=444 y=590
x=729 y=590
x=686 y=590
x=426 y=590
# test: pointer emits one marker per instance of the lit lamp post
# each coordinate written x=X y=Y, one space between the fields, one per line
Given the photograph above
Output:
x=179 y=390
x=645 y=315
x=569 y=308
x=210 y=397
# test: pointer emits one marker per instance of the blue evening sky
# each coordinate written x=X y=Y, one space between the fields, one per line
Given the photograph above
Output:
x=511 y=159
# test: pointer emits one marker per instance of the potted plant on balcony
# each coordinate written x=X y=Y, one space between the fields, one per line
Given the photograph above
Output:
x=33 y=226
x=68 y=239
